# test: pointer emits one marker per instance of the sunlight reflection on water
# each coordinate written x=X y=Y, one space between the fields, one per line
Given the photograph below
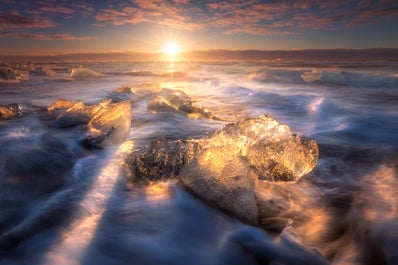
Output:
x=76 y=238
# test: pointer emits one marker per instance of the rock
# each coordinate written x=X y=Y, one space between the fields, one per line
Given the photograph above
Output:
x=84 y=73
x=224 y=167
x=10 y=111
x=109 y=126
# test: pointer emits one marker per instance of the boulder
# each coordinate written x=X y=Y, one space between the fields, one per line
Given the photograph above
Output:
x=10 y=111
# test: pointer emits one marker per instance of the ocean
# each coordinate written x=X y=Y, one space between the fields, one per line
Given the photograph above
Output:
x=62 y=203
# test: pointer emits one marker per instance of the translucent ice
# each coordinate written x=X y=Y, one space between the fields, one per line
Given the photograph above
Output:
x=82 y=72
x=43 y=71
x=110 y=125
x=223 y=167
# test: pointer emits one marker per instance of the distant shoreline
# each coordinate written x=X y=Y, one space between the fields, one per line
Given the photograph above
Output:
x=371 y=54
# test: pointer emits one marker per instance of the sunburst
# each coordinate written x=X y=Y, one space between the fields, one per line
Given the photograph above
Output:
x=171 y=49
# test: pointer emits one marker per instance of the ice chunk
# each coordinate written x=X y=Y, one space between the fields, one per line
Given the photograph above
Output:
x=11 y=74
x=69 y=114
x=171 y=99
x=141 y=90
x=162 y=159
x=10 y=111
x=271 y=150
x=109 y=126
x=223 y=180
x=43 y=71
x=77 y=114
x=105 y=124
x=60 y=104
x=82 y=72
x=322 y=75
x=224 y=167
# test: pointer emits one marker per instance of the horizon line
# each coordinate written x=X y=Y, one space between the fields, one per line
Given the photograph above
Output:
x=199 y=50
x=213 y=55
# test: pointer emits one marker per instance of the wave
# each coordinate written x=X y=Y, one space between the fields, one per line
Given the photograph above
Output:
x=326 y=76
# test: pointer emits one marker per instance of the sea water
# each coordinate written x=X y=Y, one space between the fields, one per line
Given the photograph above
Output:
x=63 y=204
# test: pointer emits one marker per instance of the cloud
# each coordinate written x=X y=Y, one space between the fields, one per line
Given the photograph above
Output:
x=56 y=9
x=128 y=15
x=61 y=36
x=85 y=9
x=15 y=20
x=369 y=15
x=252 y=17
x=155 y=11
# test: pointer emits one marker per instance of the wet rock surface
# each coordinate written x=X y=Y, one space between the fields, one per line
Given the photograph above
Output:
x=224 y=167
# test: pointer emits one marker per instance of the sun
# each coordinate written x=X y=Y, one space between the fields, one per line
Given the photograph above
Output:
x=171 y=49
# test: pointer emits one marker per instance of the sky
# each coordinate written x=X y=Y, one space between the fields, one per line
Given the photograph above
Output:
x=68 y=26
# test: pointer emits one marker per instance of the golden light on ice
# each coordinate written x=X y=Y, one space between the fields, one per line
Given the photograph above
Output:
x=171 y=49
